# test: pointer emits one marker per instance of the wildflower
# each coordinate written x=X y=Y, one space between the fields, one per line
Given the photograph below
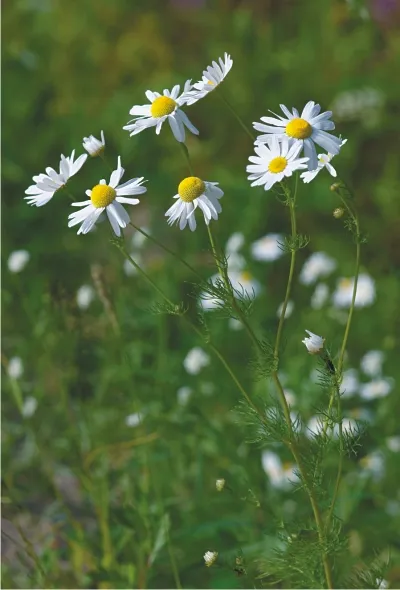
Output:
x=235 y=324
x=162 y=107
x=94 y=146
x=323 y=162
x=18 y=260
x=371 y=363
x=15 y=368
x=241 y=281
x=234 y=243
x=280 y=475
x=288 y=311
x=212 y=77
x=196 y=359
x=343 y=294
x=47 y=184
x=192 y=193
x=374 y=465
x=29 y=406
x=133 y=420
x=361 y=103
x=107 y=197
x=318 y=265
x=376 y=388
x=313 y=343
x=350 y=383
x=393 y=444
x=268 y=248
x=274 y=161
x=210 y=558
x=220 y=484
x=84 y=296
x=306 y=130
x=381 y=583
x=320 y=296
x=184 y=394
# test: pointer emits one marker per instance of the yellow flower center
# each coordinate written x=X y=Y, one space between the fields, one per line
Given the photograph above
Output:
x=191 y=188
x=246 y=276
x=277 y=165
x=345 y=283
x=298 y=128
x=102 y=195
x=163 y=105
x=211 y=83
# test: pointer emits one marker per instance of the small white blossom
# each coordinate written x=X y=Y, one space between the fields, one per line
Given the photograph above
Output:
x=29 y=407
x=133 y=420
x=344 y=292
x=313 y=343
x=18 y=260
x=242 y=281
x=382 y=583
x=289 y=309
x=195 y=193
x=361 y=103
x=374 y=465
x=393 y=444
x=234 y=243
x=94 y=146
x=212 y=77
x=376 y=388
x=268 y=248
x=196 y=359
x=320 y=296
x=84 y=296
x=15 y=368
x=371 y=363
x=350 y=383
x=220 y=484
x=280 y=475
x=323 y=162
x=184 y=394
x=235 y=324
x=318 y=265
x=210 y=557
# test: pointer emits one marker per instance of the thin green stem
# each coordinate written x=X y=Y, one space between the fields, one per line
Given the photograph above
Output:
x=172 y=559
x=235 y=114
x=187 y=157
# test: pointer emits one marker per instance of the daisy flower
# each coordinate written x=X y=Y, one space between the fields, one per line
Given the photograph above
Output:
x=162 y=107
x=107 y=197
x=365 y=295
x=192 y=193
x=313 y=343
x=47 y=184
x=94 y=146
x=317 y=265
x=210 y=557
x=306 y=130
x=268 y=248
x=274 y=162
x=323 y=162
x=371 y=363
x=212 y=77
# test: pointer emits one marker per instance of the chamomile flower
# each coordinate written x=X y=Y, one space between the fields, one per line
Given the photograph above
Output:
x=162 y=107
x=210 y=557
x=268 y=248
x=107 y=197
x=313 y=343
x=94 y=146
x=212 y=77
x=317 y=265
x=323 y=162
x=365 y=295
x=274 y=161
x=281 y=475
x=305 y=130
x=47 y=184
x=192 y=193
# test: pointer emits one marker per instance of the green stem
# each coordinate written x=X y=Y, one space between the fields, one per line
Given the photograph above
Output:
x=235 y=114
x=172 y=559
x=187 y=157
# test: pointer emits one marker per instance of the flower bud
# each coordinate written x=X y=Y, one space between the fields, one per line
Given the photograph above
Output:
x=210 y=557
x=313 y=343
x=335 y=187
x=338 y=212
x=220 y=484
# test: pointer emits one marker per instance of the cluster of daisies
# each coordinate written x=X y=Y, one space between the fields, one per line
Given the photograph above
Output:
x=278 y=150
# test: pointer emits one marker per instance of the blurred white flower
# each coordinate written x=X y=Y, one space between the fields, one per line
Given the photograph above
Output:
x=138 y=239
x=320 y=296
x=29 y=407
x=350 y=383
x=193 y=193
x=376 y=388
x=267 y=248
x=220 y=484
x=184 y=394
x=393 y=444
x=290 y=397
x=382 y=583
x=313 y=343
x=242 y=281
x=323 y=162
x=234 y=243
x=289 y=309
x=355 y=104
x=196 y=359
x=94 y=146
x=133 y=420
x=280 y=475
x=373 y=464
x=318 y=265
x=18 y=260
x=363 y=414
x=314 y=426
x=15 y=368
x=371 y=363
x=235 y=324
x=84 y=296
x=210 y=557
x=344 y=292
x=212 y=77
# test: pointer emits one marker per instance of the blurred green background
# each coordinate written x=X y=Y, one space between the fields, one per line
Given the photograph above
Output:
x=89 y=501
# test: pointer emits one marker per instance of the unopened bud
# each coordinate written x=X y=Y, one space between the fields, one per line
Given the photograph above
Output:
x=220 y=484
x=335 y=187
x=313 y=343
x=338 y=213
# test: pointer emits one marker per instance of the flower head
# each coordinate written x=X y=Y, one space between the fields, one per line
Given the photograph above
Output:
x=15 y=367
x=376 y=388
x=219 y=485
x=47 y=184
x=274 y=161
x=267 y=248
x=371 y=363
x=318 y=265
x=192 y=193
x=323 y=162
x=365 y=295
x=162 y=107
x=18 y=260
x=107 y=197
x=280 y=475
x=212 y=77
x=84 y=296
x=94 y=146
x=305 y=130
x=313 y=343
x=195 y=360
x=210 y=557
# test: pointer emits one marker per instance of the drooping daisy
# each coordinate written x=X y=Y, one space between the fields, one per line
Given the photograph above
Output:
x=192 y=193
x=94 y=146
x=47 y=184
x=274 y=161
x=323 y=162
x=107 y=197
x=162 y=107
x=306 y=129
x=212 y=77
